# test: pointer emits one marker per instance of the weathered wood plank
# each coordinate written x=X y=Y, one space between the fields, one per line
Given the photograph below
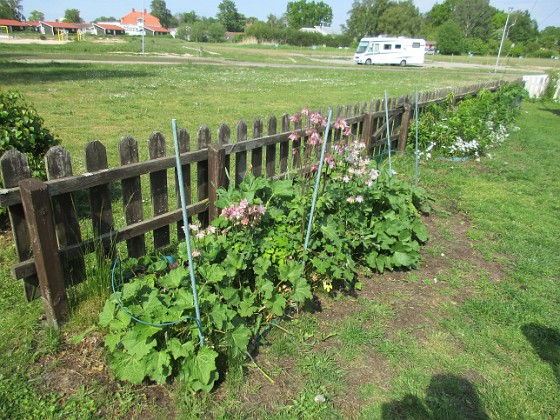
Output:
x=59 y=165
x=132 y=196
x=27 y=268
x=216 y=176
x=204 y=139
x=224 y=138
x=271 y=149
x=40 y=222
x=257 y=153
x=158 y=189
x=241 y=154
x=285 y=145
x=15 y=168
x=184 y=140
x=99 y=196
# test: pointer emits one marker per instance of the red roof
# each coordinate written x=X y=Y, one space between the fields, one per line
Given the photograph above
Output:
x=157 y=28
x=132 y=19
x=11 y=22
x=109 y=27
x=63 y=25
x=33 y=24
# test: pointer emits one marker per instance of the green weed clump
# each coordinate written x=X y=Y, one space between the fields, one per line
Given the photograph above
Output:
x=470 y=128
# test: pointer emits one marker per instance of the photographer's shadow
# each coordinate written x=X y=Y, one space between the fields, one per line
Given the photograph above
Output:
x=546 y=342
x=447 y=397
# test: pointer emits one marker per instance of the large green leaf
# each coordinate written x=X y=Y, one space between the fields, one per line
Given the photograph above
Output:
x=213 y=273
x=238 y=339
x=400 y=259
x=139 y=341
x=128 y=367
x=107 y=314
x=158 y=365
x=174 y=278
x=200 y=371
x=179 y=350
x=301 y=290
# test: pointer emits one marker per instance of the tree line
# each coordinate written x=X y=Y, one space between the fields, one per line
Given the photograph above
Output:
x=455 y=26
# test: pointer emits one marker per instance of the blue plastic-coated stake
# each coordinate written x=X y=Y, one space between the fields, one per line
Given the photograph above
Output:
x=186 y=226
x=318 y=179
x=416 y=153
x=388 y=134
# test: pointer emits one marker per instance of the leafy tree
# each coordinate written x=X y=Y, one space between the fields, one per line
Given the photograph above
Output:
x=36 y=16
x=216 y=32
x=474 y=17
x=106 y=19
x=523 y=28
x=401 y=18
x=229 y=17
x=301 y=14
x=278 y=22
x=72 y=16
x=364 y=17
x=198 y=32
x=450 y=38
x=188 y=17
x=440 y=13
x=11 y=9
x=160 y=10
x=549 y=38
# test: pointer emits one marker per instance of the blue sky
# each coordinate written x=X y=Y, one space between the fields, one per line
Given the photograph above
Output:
x=546 y=12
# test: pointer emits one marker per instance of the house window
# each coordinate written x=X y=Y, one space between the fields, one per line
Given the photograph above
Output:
x=387 y=47
x=415 y=45
x=140 y=22
x=398 y=47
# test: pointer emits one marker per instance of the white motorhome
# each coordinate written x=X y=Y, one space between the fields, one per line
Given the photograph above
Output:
x=386 y=50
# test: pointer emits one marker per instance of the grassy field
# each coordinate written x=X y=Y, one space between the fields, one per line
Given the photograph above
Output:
x=83 y=101
x=473 y=333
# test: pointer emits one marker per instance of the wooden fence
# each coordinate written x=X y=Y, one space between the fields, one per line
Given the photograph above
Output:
x=46 y=224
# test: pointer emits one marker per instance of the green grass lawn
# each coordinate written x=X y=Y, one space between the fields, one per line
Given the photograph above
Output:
x=473 y=333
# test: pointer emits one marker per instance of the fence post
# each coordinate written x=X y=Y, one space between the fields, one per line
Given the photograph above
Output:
x=40 y=222
x=15 y=168
x=405 y=123
x=216 y=176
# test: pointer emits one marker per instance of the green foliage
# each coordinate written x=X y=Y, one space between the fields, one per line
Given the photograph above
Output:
x=450 y=38
x=251 y=267
x=21 y=128
x=72 y=16
x=160 y=10
x=472 y=127
x=11 y=9
x=301 y=13
x=229 y=17
x=402 y=18
x=265 y=32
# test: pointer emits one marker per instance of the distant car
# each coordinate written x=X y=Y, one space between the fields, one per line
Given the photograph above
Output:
x=429 y=52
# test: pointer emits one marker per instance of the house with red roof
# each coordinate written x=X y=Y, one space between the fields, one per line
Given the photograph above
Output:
x=35 y=26
x=13 y=25
x=53 y=28
x=101 y=28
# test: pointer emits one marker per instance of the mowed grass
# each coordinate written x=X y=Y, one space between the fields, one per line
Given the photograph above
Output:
x=81 y=102
x=485 y=345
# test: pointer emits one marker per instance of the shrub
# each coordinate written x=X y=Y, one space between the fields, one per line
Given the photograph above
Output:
x=21 y=128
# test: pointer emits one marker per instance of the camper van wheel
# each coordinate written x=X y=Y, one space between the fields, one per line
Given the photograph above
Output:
x=368 y=62
x=403 y=63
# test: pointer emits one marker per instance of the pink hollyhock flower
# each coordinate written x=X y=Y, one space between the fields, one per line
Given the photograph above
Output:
x=294 y=136
x=351 y=199
x=196 y=253
x=360 y=199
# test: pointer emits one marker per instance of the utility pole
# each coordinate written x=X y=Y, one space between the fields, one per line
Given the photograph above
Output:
x=503 y=39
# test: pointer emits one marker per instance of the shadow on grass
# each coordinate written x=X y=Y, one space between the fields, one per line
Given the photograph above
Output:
x=29 y=73
x=546 y=342
x=447 y=397
x=555 y=111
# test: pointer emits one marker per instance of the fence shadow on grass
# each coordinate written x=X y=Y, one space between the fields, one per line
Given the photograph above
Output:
x=447 y=397
x=18 y=73
x=546 y=343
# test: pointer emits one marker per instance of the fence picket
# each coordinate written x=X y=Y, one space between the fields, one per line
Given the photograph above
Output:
x=132 y=196
x=271 y=149
x=241 y=157
x=158 y=188
x=256 y=154
x=184 y=147
x=100 y=195
x=203 y=139
x=15 y=168
x=59 y=165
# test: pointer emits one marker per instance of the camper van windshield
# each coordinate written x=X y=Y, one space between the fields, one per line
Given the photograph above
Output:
x=362 y=47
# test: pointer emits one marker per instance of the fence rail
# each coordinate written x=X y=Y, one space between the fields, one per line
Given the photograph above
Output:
x=48 y=231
